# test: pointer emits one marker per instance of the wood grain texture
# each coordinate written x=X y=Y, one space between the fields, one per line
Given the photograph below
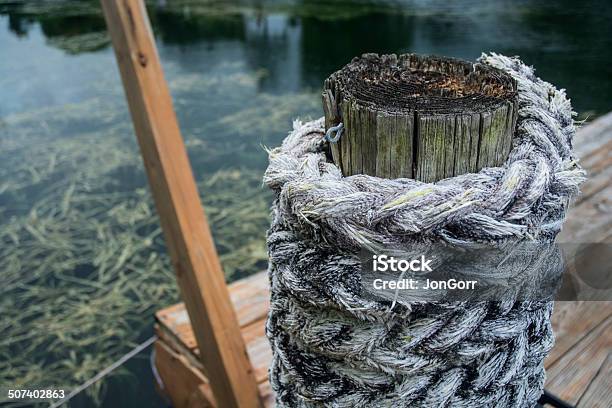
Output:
x=572 y=321
x=189 y=385
x=182 y=218
x=250 y=297
x=426 y=118
x=599 y=391
x=593 y=146
x=251 y=300
x=332 y=118
x=571 y=375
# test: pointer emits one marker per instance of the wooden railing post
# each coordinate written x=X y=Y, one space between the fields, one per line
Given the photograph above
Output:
x=174 y=190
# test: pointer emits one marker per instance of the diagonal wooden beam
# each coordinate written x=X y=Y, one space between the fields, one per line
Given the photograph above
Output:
x=186 y=230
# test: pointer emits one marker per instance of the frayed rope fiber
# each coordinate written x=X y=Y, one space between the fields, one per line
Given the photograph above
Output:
x=334 y=347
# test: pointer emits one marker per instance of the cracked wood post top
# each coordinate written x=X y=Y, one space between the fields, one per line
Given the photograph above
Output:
x=420 y=117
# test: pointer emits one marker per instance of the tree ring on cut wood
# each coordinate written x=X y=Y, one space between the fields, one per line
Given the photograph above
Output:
x=420 y=117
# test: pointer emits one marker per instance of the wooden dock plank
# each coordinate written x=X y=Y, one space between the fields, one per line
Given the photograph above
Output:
x=250 y=297
x=186 y=385
x=572 y=321
x=594 y=148
x=597 y=210
x=599 y=393
x=251 y=301
x=579 y=364
x=570 y=376
x=589 y=137
x=180 y=376
x=258 y=348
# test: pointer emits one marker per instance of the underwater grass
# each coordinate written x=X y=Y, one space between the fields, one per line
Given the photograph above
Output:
x=82 y=257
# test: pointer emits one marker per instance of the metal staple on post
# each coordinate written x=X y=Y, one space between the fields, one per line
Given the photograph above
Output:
x=338 y=129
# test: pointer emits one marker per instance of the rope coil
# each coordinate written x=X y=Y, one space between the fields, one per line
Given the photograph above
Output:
x=334 y=347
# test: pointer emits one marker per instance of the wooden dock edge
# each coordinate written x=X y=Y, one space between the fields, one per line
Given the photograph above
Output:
x=177 y=358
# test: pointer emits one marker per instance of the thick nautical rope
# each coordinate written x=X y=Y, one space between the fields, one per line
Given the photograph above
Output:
x=334 y=347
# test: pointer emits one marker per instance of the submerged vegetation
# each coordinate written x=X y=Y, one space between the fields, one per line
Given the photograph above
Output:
x=82 y=256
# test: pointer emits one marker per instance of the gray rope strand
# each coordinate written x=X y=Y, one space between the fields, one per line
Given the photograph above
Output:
x=136 y=350
x=333 y=347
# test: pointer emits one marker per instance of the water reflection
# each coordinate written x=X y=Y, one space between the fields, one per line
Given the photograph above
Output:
x=299 y=43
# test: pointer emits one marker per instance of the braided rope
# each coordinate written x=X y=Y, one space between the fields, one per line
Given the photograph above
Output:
x=333 y=347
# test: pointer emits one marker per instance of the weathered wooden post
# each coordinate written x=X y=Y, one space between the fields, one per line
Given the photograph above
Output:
x=420 y=117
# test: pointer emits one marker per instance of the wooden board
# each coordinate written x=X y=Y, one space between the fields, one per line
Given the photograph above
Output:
x=572 y=373
x=186 y=232
x=578 y=367
x=250 y=297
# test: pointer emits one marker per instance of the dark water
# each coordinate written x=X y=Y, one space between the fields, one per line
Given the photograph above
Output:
x=298 y=43
x=239 y=72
